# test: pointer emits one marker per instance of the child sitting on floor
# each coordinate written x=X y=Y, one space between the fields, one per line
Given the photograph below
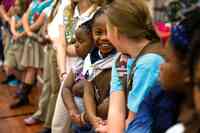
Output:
x=150 y=109
x=73 y=84
x=97 y=87
x=96 y=64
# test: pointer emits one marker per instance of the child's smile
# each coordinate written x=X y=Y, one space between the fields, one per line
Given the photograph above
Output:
x=100 y=35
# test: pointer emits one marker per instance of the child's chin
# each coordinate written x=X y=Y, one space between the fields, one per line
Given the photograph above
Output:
x=105 y=51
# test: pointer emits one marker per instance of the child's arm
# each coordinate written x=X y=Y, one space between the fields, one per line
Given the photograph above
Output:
x=90 y=104
x=25 y=23
x=35 y=26
x=3 y=14
x=38 y=23
x=63 y=49
x=68 y=99
x=117 y=103
x=117 y=108
x=66 y=92
x=14 y=26
x=102 y=109
x=61 y=54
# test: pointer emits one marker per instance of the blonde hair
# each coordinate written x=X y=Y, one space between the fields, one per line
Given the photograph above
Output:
x=132 y=18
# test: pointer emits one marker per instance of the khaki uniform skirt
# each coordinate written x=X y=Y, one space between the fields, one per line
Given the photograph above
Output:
x=14 y=55
x=33 y=54
x=6 y=42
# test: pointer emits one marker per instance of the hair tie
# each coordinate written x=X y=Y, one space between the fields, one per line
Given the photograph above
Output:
x=163 y=30
x=179 y=36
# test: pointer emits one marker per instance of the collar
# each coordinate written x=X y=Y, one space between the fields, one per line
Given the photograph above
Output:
x=86 y=16
x=86 y=13
x=100 y=55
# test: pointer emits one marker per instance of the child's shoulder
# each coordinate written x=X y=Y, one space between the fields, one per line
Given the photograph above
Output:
x=150 y=59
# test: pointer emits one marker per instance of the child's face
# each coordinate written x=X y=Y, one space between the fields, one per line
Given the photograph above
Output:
x=116 y=38
x=83 y=42
x=173 y=75
x=99 y=34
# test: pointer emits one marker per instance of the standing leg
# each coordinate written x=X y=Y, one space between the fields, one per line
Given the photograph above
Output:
x=55 y=84
x=41 y=112
x=27 y=85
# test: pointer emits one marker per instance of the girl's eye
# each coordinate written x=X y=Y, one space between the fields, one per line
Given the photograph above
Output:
x=98 y=32
x=81 y=41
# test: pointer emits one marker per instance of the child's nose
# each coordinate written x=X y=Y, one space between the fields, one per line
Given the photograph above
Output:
x=76 y=45
x=104 y=37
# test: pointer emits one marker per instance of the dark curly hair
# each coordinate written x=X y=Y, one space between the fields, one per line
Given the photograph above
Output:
x=183 y=41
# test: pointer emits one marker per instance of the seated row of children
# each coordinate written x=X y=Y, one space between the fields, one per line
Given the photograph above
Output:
x=120 y=77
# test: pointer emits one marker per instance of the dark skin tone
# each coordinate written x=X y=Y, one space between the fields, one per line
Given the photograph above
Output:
x=97 y=111
x=72 y=88
x=83 y=43
x=190 y=110
x=174 y=75
x=99 y=33
x=192 y=123
x=68 y=99
x=197 y=86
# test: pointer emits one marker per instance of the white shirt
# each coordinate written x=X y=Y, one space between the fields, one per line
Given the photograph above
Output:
x=53 y=27
x=86 y=16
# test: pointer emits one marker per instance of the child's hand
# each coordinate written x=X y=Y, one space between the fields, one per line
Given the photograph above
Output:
x=47 y=39
x=97 y=122
x=102 y=129
x=76 y=118
x=30 y=34
x=121 y=66
x=63 y=76
x=16 y=36
x=119 y=73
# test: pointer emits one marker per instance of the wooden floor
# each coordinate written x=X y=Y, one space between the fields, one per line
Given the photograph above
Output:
x=11 y=121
